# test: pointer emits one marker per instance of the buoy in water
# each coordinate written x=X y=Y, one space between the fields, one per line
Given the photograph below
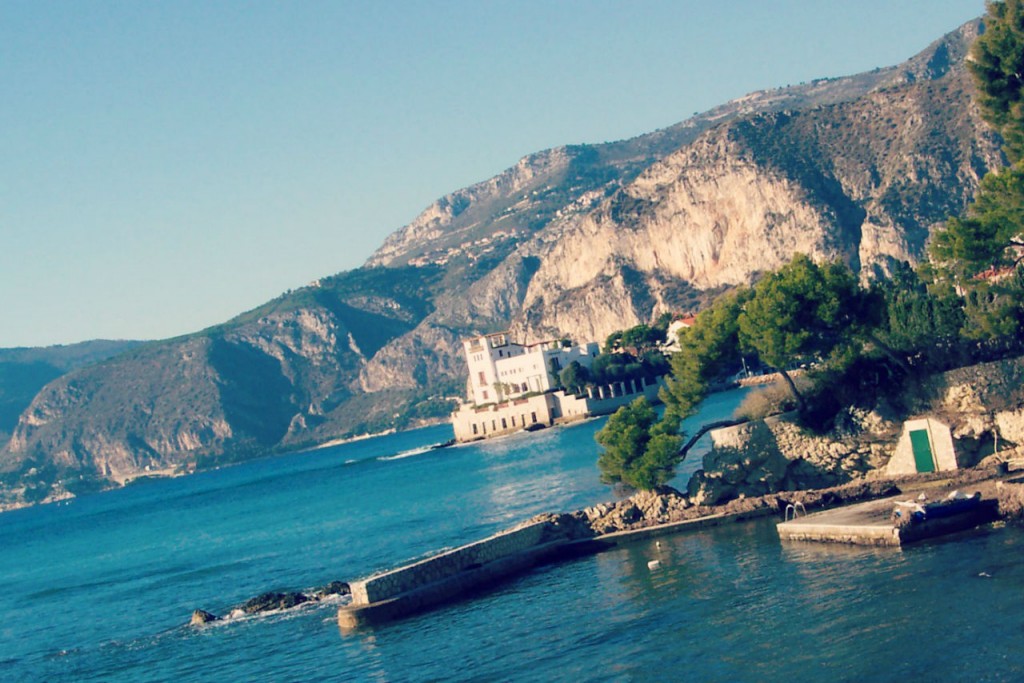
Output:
x=653 y=564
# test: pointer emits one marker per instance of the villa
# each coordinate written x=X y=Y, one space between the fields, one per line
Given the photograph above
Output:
x=513 y=386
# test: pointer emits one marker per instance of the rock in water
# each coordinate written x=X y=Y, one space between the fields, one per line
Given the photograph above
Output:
x=333 y=588
x=272 y=600
x=201 y=616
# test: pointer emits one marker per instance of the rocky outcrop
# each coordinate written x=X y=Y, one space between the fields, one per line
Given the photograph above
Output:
x=776 y=454
x=658 y=506
x=201 y=617
x=983 y=404
x=274 y=601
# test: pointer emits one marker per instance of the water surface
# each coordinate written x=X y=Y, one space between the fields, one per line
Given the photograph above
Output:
x=99 y=589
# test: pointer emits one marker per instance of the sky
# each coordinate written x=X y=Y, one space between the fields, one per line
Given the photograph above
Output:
x=165 y=166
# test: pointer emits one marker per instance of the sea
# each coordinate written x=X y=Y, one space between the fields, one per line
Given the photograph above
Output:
x=101 y=588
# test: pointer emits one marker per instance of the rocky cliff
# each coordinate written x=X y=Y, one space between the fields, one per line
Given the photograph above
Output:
x=576 y=241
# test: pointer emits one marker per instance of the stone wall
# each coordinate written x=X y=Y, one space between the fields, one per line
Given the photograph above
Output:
x=775 y=454
x=471 y=423
x=606 y=400
x=440 y=567
x=977 y=398
x=984 y=406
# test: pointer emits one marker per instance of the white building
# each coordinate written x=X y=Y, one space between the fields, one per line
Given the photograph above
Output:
x=511 y=387
x=500 y=369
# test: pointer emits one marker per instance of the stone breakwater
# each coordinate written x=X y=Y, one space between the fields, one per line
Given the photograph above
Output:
x=552 y=537
x=438 y=568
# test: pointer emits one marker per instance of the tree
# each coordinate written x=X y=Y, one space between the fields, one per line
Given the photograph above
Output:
x=642 y=338
x=979 y=255
x=989 y=236
x=782 y=322
x=709 y=348
x=997 y=65
x=803 y=311
x=639 y=450
x=916 y=318
x=574 y=377
x=995 y=309
x=612 y=342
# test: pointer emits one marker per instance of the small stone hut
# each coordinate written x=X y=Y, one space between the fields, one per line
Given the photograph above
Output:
x=926 y=445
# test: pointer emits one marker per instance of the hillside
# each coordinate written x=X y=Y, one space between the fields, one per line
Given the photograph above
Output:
x=24 y=371
x=574 y=241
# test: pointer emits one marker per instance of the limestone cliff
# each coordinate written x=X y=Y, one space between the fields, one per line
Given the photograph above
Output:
x=864 y=181
x=575 y=241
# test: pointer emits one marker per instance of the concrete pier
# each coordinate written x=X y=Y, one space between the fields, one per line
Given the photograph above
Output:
x=458 y=573
x=872 y=524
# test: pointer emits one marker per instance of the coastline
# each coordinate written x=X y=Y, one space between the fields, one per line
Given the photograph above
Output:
x=460 y=573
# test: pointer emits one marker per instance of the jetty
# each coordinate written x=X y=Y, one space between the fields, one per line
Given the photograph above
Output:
x=892 y=521
x=463 y=571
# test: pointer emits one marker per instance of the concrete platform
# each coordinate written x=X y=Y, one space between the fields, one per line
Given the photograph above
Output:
x=871 y=524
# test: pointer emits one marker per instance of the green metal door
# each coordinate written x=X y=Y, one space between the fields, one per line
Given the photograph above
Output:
x=922 y=450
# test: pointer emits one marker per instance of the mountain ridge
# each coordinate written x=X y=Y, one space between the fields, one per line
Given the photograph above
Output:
x=574 y=241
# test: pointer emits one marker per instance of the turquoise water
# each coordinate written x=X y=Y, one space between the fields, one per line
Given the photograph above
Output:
x=99 y=589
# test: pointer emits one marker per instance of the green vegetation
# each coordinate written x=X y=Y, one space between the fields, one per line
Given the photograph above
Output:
x=640 y=450
x=977 y=256
x=639 y=339
x=998 y=69
x=709 y=349
x=963 y=306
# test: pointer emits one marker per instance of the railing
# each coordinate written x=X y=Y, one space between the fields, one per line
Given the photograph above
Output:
x=794 y=508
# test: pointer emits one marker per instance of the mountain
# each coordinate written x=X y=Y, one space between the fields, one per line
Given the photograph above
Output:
x=24 y=371
x=575 y=241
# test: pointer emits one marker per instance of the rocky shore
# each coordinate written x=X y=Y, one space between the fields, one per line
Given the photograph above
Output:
x=666 y=505
x=273 y=601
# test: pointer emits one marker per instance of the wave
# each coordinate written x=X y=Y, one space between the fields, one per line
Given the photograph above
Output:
x=407 y=454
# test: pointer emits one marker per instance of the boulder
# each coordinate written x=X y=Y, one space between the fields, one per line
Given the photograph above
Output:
x=200 y=617
x=333 y=588
x=273 y=601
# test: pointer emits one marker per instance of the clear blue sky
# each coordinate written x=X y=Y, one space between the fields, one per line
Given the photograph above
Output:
x=167 y=165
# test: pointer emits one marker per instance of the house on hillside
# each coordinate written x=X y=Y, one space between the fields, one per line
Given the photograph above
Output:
x=672 y=333
x=513 y=386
